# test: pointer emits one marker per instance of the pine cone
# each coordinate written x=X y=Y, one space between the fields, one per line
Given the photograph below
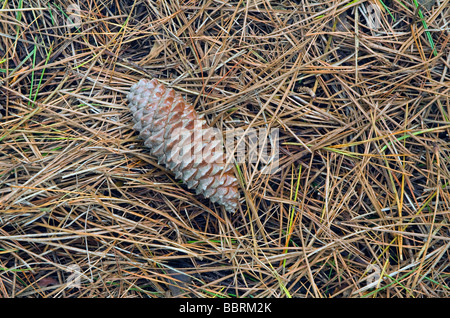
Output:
x=183 y=142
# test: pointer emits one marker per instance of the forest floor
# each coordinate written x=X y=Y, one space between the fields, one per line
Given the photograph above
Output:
x=356 y=203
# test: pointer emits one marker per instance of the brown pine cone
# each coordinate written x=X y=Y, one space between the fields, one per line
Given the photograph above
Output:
x=183 y=142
